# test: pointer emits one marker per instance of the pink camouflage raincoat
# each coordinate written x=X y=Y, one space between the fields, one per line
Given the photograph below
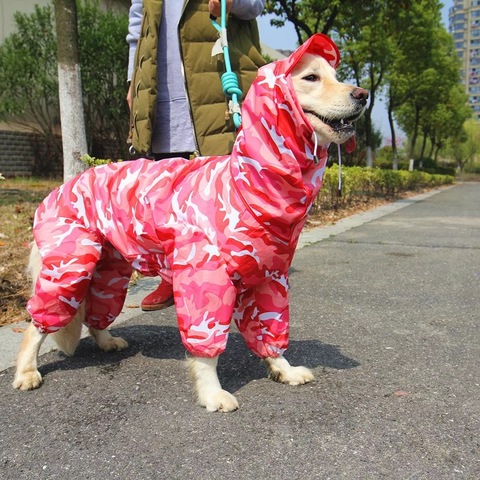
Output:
x=222 y=229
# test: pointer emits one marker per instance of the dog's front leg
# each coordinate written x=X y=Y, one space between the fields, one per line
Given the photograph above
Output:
x=207 y=385
x=281 y=371
x=106 y=341
x=27 y=376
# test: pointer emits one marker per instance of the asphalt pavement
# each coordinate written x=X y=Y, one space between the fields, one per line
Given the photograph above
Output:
x=385 y=309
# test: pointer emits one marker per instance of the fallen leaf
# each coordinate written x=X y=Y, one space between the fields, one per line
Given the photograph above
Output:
x=398 y=393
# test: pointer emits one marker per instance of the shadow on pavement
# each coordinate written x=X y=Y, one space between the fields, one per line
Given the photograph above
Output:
x=237 y=366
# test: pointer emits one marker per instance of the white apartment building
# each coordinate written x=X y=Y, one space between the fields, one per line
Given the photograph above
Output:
x=464 y=24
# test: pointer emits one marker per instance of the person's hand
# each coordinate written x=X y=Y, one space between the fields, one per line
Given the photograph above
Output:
x=215 y=7
x=129 y=97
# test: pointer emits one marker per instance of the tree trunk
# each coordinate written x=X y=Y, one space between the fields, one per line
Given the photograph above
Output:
x=368 y=132
x=415 y=134
x=70 y=88
x=424 y=145
x=393 y=137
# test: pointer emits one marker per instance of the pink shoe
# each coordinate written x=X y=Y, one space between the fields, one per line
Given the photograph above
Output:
x=159 y=299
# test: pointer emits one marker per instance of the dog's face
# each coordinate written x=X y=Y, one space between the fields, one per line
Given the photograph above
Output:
x=330 y=106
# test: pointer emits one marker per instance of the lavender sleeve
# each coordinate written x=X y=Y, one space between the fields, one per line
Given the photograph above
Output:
x=247 y=9
x=134 y=27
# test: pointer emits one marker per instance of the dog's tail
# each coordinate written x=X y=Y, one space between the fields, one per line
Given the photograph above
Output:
x=68 y=337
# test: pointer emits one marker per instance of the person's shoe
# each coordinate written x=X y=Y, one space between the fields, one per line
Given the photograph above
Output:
x=159 y=299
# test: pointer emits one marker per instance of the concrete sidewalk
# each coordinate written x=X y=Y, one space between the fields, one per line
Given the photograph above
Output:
x=11 y=336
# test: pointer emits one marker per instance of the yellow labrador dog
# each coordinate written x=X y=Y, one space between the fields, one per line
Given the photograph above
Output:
x=223 y=230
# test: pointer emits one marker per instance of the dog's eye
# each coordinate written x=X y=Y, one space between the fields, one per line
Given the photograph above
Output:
x=311 y=78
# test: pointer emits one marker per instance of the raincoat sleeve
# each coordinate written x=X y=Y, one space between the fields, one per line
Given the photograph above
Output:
x=204 y=297
x=262 y=317
x=69 y=256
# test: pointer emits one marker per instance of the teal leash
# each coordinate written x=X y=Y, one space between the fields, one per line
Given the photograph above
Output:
x=229 y=79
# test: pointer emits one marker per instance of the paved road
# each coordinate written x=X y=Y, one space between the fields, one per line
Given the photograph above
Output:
x=386 y=314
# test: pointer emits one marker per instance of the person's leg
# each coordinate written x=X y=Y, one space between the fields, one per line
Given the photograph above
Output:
x=162 y=296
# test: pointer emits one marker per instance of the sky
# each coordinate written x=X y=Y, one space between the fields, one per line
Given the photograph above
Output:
x=285 y=39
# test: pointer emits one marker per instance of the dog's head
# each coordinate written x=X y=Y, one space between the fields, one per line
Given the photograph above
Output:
x=330 y=106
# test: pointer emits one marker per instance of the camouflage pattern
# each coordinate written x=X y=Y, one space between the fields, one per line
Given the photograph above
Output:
x=222 y=229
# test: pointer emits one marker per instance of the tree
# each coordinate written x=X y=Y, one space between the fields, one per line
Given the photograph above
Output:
x=423 y=71
x=367 y=54
x=464 y=146
x=28 y=77
x=70 y=89
x=362 y=31
x=104 y=60
x=308 y=16
x=448 y=119
x=293 y=11
x=29 y=80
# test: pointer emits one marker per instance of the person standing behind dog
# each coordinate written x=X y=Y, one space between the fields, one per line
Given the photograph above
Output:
x=177 y=105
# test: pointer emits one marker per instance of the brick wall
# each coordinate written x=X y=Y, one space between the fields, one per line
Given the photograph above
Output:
x=24 y=154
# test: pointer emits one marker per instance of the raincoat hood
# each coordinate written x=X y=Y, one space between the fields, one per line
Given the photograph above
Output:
x=276 y=164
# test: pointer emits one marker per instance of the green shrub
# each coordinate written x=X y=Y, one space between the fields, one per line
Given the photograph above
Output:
x=361 y=183
x=472 y=168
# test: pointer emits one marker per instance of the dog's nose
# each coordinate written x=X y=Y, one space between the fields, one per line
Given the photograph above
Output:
x=360 y=95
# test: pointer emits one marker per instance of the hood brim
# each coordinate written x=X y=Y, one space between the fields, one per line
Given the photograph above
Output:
x=318 y=44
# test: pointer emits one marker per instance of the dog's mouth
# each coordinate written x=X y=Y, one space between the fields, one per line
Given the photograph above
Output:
x=342 y=125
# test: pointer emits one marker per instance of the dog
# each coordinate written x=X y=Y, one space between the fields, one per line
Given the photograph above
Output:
x=222 y=230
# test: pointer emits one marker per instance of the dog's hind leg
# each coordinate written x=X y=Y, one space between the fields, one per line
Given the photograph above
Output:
x=207 y=385
x=27 y=376
x=281 y=371
x=68 y=337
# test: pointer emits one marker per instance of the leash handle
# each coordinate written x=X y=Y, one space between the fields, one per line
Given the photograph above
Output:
x=230 y=85
x=339 y=170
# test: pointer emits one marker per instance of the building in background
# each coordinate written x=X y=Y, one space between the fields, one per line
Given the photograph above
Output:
x=464 y=25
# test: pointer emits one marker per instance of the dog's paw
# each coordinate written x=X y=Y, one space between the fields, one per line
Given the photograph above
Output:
x=281 y=371
x=218 y=401
x=207 y=386
x=294 y=376
x=27 y=380
x=112 y=344
x=106 y=341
